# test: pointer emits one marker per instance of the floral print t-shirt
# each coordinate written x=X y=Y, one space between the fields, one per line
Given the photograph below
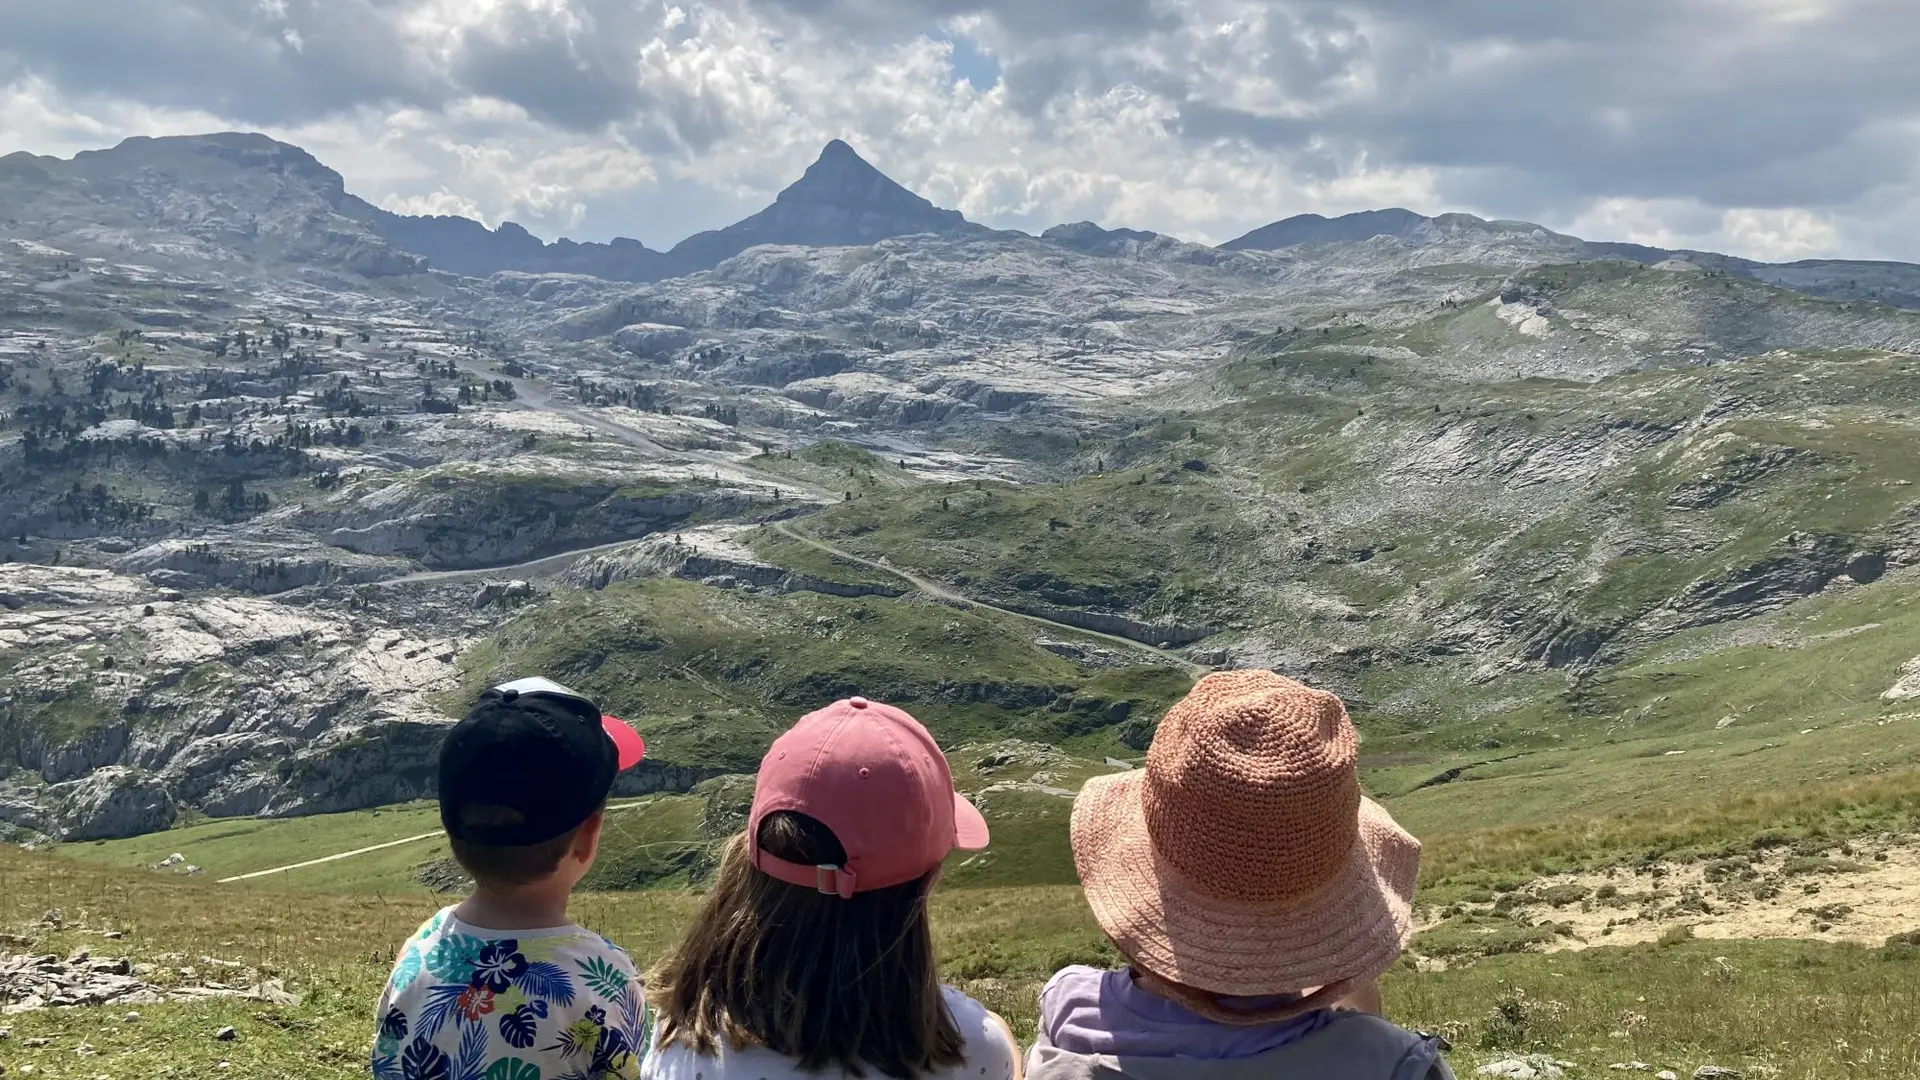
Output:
x=465 y=1003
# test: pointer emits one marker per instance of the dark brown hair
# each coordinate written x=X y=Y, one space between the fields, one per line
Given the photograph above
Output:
x=492 y=864
x=833 y=983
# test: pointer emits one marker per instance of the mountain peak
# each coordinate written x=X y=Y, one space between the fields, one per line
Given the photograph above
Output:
x=841 y=177
x=840 y=200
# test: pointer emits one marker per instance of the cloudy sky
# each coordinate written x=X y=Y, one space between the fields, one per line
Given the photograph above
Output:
x=1770 y=128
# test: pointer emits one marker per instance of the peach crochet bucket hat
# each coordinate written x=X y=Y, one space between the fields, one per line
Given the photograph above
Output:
x=1243 y=859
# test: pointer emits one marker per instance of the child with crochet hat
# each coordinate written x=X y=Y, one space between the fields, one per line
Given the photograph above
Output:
x=1257 y=895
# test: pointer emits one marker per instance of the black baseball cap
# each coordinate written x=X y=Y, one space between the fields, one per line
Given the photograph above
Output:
x=531 y=761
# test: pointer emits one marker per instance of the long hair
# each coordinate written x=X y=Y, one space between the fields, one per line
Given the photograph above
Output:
x=834 y=983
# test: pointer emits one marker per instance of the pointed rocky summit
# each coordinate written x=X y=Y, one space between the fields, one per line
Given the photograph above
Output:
x=840 y=201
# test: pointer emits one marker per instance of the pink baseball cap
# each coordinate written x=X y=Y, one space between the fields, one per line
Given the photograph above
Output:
x=872 y=775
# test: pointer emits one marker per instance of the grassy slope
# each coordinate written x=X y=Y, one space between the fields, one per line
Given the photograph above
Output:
x=710 y=676
x=1808 y=1009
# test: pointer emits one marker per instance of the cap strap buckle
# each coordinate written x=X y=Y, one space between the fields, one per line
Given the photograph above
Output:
x=825 y=877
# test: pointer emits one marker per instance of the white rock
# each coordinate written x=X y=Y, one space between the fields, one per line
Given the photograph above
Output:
x=1908 y=685
x=1534 y=1068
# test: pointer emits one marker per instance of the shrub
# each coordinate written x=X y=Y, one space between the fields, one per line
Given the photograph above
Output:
x=1562 y=895
x=1676 y=935
x=1518 y=1020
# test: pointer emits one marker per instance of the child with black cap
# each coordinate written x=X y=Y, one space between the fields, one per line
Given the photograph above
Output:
x=503 y=986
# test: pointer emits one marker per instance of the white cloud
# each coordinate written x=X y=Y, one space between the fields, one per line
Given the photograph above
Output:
x=1676 y=122
x=1780 y=235
x=1768 y=234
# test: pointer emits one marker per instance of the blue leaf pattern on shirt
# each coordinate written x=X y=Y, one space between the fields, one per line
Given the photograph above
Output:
x=544 y=980
x=406 y=970
x=425 y=1061
x=473 y=1052
x=453 y=958
x=519 y=1027
x=440 y=1002
x=466 y=1006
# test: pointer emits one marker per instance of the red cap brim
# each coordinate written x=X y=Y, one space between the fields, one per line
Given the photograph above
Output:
x=626 y=740
x=969 y=828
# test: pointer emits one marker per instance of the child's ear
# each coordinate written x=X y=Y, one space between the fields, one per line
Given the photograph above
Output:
x=586 y=842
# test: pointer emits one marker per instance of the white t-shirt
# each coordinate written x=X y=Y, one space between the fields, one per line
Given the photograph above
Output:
x=988 y=1055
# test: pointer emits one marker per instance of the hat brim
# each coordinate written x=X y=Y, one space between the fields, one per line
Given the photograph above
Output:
x=969 y=826
x=1352 y=928
x=627 y=741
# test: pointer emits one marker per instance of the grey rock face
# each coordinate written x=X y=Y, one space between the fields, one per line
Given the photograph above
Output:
x=375 y=765
x=206 y=196
x=111 y=803
x=232 y=705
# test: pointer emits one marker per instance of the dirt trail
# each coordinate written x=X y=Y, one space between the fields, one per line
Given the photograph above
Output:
x=337 y=856
x=951 y=597
x=331 y=858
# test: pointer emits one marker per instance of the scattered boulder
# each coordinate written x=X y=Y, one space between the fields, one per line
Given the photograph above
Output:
x=226 y=1034
x=651 y=339
x=502 y=593
x=1866 y=568
x=1908 y=685
x=29 y=983
x=1534 y=1067
x=1082 y=653
x=1715 y=1072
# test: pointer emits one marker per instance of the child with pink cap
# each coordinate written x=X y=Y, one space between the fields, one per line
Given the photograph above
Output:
x=812 y=954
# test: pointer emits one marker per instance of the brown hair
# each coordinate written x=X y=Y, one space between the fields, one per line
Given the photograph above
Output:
x=833 y=983
x=501 y=865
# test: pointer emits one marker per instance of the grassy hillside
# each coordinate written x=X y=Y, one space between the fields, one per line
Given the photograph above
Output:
x=1804 y=1008
x=710 y=676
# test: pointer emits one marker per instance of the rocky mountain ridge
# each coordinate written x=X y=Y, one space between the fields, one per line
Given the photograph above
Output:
x=178 y=197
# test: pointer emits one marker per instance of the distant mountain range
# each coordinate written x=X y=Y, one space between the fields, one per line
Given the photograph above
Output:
x=233 y=195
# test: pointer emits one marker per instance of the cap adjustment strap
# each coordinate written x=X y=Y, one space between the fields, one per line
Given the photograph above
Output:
x=829 y=879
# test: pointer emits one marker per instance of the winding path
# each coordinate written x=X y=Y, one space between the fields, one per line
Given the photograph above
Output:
x=949 y=596
x=337 y=856
x=532 y=395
